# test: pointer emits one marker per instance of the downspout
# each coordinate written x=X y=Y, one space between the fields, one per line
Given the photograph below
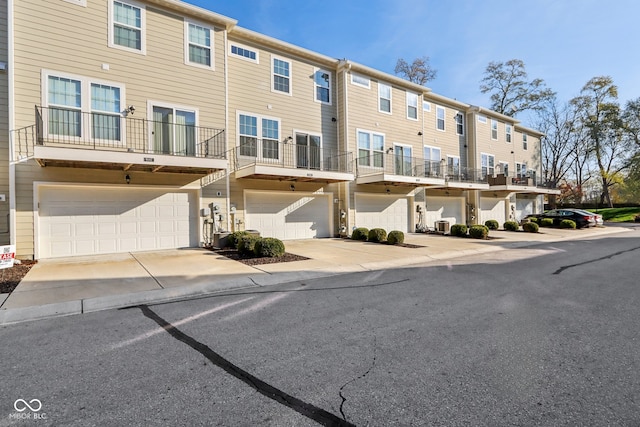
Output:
x=12 y=122
x=345 y=106
x=226 y=125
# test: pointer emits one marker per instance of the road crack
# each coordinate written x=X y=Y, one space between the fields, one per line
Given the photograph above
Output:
x=373 y=364
x=310 y=411
x=566 y=267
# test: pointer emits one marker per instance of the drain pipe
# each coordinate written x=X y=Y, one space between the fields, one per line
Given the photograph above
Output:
x=12 y=123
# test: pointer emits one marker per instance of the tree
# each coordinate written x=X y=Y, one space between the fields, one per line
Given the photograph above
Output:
x=511 y=91
x=599 y=112
x=419 y=71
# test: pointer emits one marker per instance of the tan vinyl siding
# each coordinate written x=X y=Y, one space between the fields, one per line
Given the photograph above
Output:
x=4 y=128
x=449 y=142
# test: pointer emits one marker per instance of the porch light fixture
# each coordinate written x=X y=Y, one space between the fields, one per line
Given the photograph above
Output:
x=129 y=110
x=419 y=133
x=292 y=187
x=127 y=178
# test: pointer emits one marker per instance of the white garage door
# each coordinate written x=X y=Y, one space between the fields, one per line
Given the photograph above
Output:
x=492 y=208
x=444 y=209
x=87 y=221
x=289 y=216
x=524 y=207
x=382 y=211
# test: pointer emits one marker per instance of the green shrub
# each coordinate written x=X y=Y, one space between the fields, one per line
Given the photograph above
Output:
x=395 y=237
x=247 y=244
x=511 y=226
x=269 y=247
x=234 y=238
x=360 y=233
x=479 y=231
x=459 y=230
x=546 y=222
x=491 y=224
x=377 y=235
x=530 y=227
x=534 y=219
x=567 y=223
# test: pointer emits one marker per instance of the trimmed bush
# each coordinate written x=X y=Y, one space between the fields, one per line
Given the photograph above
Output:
x=234 y=238
x=546 y=222
x=491 y=224
x=269 y=247
x=377 y=235
x=479 y=231
x=533 y=219
x=511 y=226
x=247 y=244
x=360 y=234
x=530 y=227
x=459 y=230
x=567 y=223
x=395 y=237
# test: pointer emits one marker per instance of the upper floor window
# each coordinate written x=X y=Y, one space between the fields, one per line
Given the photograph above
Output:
x=244 y=52
x=370 y=148
x=412 y=106
x=359 y=80
x=384 y=95
x=432 y=157
x=453 y=165
x=82 y=3
x=494 y=129
x=281 y=75
x=197 y=45
x=322 y=83
x=482 y=119
x=426 y=106
x=259 y=136
x=460 y=124
x=488 y=164
x=127 y=26
x=440 y=118
x=508 y=133
x=524 y=141
x=521 y=170
x=504 y=168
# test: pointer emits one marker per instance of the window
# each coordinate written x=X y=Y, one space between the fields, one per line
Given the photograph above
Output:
x=174 y=129
x=453 y=165
x=504 y=168
x=197 y=45
x=82 y=3
x=308 y=150
x=370 y=149
x=384 y=95
x=460 y=124
x=488 y=164
x=431 y=161
x=521 y=170
x=281 y=76
x=440 y=118
x=322 y=84
x=524 y=141
x=359 y=80
x=250 y=128
x=402 y=160
x=482 y=119
x=426 y=106
x=244 y=53
x=412 y=106
x=494 y=129
x=508 y=133
x=127 y=26
x=81 y=108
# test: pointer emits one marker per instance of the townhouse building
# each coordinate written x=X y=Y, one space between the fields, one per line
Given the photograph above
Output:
x=164 y=123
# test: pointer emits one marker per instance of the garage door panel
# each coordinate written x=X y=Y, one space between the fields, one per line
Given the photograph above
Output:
x=382 y=211
x=444 y=209
x=491 y=208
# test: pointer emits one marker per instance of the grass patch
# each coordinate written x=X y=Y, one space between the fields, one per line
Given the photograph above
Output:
x=617 y=214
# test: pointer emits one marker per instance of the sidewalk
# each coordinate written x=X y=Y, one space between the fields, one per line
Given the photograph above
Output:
x=58 y=287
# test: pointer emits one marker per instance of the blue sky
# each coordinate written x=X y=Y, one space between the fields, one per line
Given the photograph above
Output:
x=563 y=42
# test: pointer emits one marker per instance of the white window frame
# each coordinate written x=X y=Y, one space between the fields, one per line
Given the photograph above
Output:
x=85 y=105
x=525 y=141
x=245 y=48
x=459 y=123
x=174 y=107
x=187 y=42
x=358 y=80
x=304 y=132
x=456 y=163
x=494 y=129
x=521 y=170
x=259 y=137
x=143 y=27
x=395 y=156
x=426 y=106
x=412 y=97
x=491 y=170
x=502 y=167
x=441 y=110
x=316 y=86
x=508 y=133
x=273 y=75
x=372 y=152
x=82 y=3
x=432 y=160
x=482 y=119
x=380 y=97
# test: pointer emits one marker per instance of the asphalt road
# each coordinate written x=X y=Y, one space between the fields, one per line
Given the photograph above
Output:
x=547 y=336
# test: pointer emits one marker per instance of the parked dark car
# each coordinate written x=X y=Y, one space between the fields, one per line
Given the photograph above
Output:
x=580 y=217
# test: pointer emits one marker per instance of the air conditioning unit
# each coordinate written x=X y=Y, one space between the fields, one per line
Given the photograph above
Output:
x=442 y=227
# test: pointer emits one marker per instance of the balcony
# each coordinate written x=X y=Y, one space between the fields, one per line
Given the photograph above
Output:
x=466 y=178
x=521 y=183
x=288 y=161
x=71 y=138
x=396 y=169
